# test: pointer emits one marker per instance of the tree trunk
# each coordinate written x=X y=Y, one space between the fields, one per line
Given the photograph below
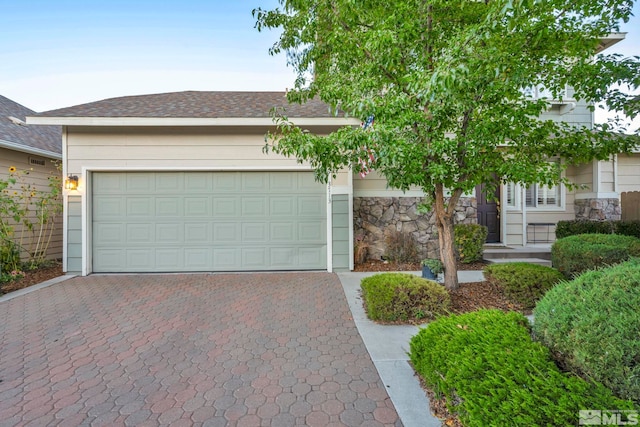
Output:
x=444 y=221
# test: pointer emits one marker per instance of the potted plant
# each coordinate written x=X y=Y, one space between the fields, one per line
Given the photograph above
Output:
x=431 y=267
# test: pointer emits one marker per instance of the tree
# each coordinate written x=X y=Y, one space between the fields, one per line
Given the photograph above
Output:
x=446 y=81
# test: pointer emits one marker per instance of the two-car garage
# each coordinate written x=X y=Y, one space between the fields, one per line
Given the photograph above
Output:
x=177 y=221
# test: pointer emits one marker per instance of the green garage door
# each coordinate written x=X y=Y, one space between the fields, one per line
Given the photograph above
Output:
x=208 y=221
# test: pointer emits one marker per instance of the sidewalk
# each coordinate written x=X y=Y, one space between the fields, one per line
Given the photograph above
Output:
x=388 y=346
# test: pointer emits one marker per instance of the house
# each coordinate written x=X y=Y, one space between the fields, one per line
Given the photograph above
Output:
x=35 y=149
x=179 y=182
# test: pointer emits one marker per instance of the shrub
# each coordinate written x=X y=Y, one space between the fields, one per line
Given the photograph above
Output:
x=401 y=247
x=591 y=325
x=575 y=254
x=492 y=374
x=469 y=241
x=396 y=296
x=583 y=226
x=628 y=228
x=523 y=282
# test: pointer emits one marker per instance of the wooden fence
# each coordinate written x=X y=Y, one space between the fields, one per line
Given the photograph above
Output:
x=630 y=205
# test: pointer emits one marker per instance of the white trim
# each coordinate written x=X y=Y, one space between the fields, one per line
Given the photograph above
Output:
x=351 y=231
x=388 y=193
x=615 y=174
x=329 y=214
x=523 y=199
x=65 y=205
x=29 y=150
x=503 y=214
x=189 y=121
x=595 y=178
x=85 y=194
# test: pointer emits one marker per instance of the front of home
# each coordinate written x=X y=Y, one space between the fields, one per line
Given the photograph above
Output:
x=179 y=182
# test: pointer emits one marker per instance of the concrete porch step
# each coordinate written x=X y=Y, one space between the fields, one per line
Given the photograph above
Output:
x=539 y=261
x=519 y=252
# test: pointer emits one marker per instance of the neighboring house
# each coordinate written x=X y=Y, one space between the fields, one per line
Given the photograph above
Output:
x=30 y=148
x=179 y=182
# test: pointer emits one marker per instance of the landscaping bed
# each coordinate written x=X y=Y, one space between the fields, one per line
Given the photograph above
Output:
x=33 y=277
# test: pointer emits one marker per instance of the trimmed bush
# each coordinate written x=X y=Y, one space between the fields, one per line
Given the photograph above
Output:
x=575 y=254
x=492 y=374
x=469 y=241
x=393 y=297
x=592 y=326
x=523 y=282
x=585 y=226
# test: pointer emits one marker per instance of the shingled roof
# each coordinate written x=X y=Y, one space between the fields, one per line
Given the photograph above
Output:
x=193 y=104
x=16 y=134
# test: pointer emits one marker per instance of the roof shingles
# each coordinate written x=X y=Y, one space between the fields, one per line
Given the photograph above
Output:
x=47 y=138
x=195 y=104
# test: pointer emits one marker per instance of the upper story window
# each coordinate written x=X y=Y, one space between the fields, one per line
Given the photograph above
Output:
x=540 y=92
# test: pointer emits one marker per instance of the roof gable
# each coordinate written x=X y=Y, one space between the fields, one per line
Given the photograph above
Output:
x=16 y=134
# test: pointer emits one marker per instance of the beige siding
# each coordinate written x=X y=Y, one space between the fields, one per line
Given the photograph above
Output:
x=177 y=148
x=514 y=228
x=629 y=172
x=38 y=176
x=375 y=184
x=607 y=178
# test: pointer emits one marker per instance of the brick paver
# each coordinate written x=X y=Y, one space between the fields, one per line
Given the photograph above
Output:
x=272 y=349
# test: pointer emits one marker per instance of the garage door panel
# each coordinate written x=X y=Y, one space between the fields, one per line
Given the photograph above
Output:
x=255 y=232
x=108 y=207
x=226 y=232
x=312 y=206
x=109 y=232
x=169 y=233
x=139 y=258
x=254 y=258
x=225 y=259
x=140 y=233
x=207 y=221
x=196 y=206
x=140 y=206
x=282 y=232
x=140 y=183
x=225 y=207
x=197 y=232
x=254 y=207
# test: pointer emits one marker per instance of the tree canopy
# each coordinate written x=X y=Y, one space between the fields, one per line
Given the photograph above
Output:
x=446 y=81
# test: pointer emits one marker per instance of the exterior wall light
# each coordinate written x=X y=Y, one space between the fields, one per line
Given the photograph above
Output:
x=71 y=183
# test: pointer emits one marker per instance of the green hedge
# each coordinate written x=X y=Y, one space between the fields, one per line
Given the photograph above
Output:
x=492 y=374
x=403 y=297
x=585 y=226
x=576 y=254
x=469 y=241
x=592 y=325
x=523 y=282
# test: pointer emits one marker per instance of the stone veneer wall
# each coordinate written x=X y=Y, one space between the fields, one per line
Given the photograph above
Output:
x=598 y=209
x=375 y=217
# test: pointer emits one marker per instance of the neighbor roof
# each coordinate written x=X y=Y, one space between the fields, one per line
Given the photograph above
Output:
x=17 y=135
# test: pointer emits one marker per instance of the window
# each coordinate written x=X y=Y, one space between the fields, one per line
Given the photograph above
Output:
x=512 y=194
x=539 y=196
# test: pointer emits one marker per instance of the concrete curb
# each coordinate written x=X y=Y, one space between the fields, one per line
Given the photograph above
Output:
x=28 y=290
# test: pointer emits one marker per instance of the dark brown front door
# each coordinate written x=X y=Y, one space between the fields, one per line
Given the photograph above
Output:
x=489 y=213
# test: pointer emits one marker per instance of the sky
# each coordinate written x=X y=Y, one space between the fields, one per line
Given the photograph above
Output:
x=59 y=53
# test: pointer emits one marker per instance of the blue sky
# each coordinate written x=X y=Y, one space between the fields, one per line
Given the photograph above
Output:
x=65 y=52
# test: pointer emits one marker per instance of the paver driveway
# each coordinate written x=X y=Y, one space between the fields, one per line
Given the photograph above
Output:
x=223 y=349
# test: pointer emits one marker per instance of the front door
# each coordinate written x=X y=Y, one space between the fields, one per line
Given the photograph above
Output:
x=489 y=213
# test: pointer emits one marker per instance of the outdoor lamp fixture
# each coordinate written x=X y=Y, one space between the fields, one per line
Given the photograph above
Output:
x=71 y=183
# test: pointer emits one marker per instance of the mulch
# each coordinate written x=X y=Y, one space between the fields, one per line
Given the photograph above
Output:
x=33 y=277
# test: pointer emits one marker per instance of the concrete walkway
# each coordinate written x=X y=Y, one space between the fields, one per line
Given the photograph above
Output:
x=388 y=346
